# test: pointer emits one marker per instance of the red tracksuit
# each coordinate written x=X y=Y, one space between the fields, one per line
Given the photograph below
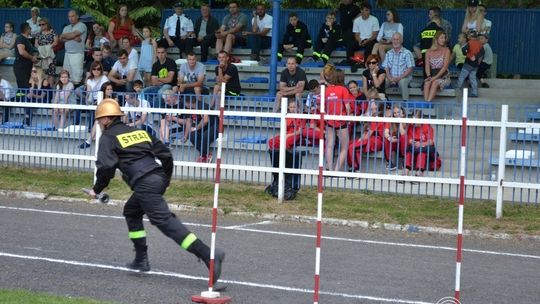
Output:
x=422 y=133
x=390 y=147
x=372 y=144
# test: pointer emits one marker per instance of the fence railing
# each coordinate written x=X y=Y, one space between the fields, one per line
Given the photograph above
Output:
x=502 y=155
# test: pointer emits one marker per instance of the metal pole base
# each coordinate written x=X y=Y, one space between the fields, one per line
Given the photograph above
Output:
x=211 y=297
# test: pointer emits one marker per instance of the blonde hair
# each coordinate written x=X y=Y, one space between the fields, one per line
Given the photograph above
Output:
x=434 y=43
x=40 y=77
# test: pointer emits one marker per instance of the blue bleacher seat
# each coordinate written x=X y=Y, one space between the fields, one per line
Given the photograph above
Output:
x=254 y=139
x=524 y=135
x=519 y=162
x=318 y=64
x=533 y=115
x=418 y=104
x=8 y=61
x=12 y=125
x=256 y=80
x=40 y=127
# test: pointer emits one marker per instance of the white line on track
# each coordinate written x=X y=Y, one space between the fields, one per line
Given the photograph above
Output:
x=247 y=225
x=190 y=277
x=239 y=228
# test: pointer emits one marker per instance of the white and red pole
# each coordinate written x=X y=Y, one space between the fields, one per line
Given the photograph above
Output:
x=463 y=162
x=320 y=184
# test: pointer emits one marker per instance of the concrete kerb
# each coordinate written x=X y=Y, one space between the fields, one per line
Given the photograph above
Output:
x=292 y=218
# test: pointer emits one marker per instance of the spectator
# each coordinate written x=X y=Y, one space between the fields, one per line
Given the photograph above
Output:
x=227 y=73
x=74 y=36
x=371 y=140
x=420 y=147
x=294 y=128
x=426 y=39
x=446 y=26
x=291 y=83
x=348 y=11
x=107 y=59
x=261 y=31
x=24 y=57
x=95 y=81
x=108 y=92
x=395 y=138
x=399 y=64
x=457 y=51
x=487 y=60
x=97 y=56
x=329 y=38
x=360 y=105
x=133 y=56
x=178 y=31
x=326 y=73
x=148 y=54
x=474 y=54
x=230 y=32
x=34 y=22
x=172 y=123
x=122 y=26
x=47 y=39
x=137 y=118
x=337 y=102
x=384 y=38
x=191 y=78
x=203 y=128
x=205 y=28
x=365 y=30
x=63 y=95
x=163 y=77
x=6 y=94
x=313 y=98
x=96 y=38
x=296 y=35
x=374 y=76
x=123 y=73
x=7 y=41
x=436 y=67
x=485 y=27
x=473 y=19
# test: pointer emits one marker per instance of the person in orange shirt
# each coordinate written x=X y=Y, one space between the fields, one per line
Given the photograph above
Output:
x=371 y=140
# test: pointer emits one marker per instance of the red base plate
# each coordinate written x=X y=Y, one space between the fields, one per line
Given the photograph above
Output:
x=220 y=300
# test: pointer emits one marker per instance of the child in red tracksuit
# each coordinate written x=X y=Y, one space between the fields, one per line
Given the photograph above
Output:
x=420 y=145
x=295 y=127
x=371 y=140
x=395 y=138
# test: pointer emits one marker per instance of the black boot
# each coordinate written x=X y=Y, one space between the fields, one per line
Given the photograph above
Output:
x=140 y=262
x=202 y=251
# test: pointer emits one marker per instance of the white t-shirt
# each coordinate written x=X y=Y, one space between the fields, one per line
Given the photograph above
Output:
x=266 y=22
x=365 y=27
x=186 y=25
x=124 y=70
x=134 y=115
x=133 y=58
x=7 y=88
x=93 y=86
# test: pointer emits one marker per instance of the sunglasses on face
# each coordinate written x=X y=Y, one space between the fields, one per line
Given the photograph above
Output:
x=42 y=24
x=372 y=62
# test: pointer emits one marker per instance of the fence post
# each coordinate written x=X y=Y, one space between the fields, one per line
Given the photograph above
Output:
x=502 y=162
x=282 y=146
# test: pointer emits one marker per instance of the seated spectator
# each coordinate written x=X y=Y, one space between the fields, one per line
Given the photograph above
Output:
x=436 y=67
x=457 y=52
x=205 y=30
x=329 y=38
x=296 y=35
x=178 y=31
x=371 y=140
x=95 y=81
x=227 y=73
x=7 y=41
x=395 y=138
x=420 y=147
x=313 y=98
x=348 y=11
x=203 y=129
x=426 y=39
x=137 y=118
x=294 y=129
x=34 y=22
x=108 y=92
x=474 y=51
x=436 y=13
x=374 y=76
x=291 y=83
x=163 y=77
x=230 y=32
x=107 y=59
x=45 y=42
x=148 y=55
x=6 y=93
x=487 y=61
x=261 y=31
x=473 y=19
x=384 y=38
x=191 y=78
x=365 y=30
x=96 y=38
x=97 y=56
x=123 y=73
x=399 y=64
x=133 y=54
x=172 y=123
x=360 y=105
x=63 y=95
x=122 y=26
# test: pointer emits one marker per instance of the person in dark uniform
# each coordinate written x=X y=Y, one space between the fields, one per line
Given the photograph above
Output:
x=329 y=38
x=134 y=152
x=296 y=35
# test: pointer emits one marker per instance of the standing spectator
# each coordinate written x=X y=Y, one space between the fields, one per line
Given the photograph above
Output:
x=399 y=64
x=365 y=30
x=163 y=77
x=457 y=51
x=374 y=76
x=485 y=27
x=24 y=57
x=487 y=61
x=172 y=123
x=227 y=73
x=329 y=38
x=388 y=28
x=47 y=39
x=137 y=119
x=191 y=78
x=123 y=73
x=326 y=73
x=38 y=93
x=63 y=95
x=291 y=83
x=436 y=67
x=475 y=53
x=446 y=26
x=122 y=26
x=7 y=41
x=473 y=19
x=205 y=30
x=395 y=138
x=371 y=140
x=178 y=31
x=74 y=37
x=6 y=93
x=348 y=11
x=261 y=31
x=296 y=35
x=148 y=54
x=34 y=22
x=203 y=129
x=230 y=32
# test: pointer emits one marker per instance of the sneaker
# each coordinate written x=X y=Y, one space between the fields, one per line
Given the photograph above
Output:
x=84 y=145
x=485 y=85
x=471 y=95
x=391 y=167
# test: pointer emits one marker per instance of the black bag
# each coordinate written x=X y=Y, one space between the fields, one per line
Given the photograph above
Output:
x=292 y=181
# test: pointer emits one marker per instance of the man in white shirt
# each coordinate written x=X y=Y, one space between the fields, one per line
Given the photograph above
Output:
x=191 y=78
x=261 y=32
x=123 y=73
x=365 y=30
x=74 y=38
x=178 y=31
